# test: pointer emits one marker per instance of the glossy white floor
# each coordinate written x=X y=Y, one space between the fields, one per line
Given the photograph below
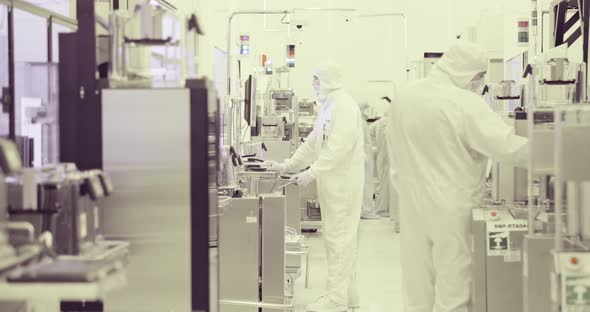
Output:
x=379 y=269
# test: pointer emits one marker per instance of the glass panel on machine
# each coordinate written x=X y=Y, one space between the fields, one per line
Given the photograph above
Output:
x=57 y=29
x=36 y=88
x=4 y=91
x=50 y=122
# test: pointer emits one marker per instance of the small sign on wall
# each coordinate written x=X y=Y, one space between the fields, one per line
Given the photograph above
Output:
x=523 y=32
x=244 y=45
x=291 y=55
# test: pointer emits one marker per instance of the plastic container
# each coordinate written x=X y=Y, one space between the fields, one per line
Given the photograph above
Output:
x=504 y=96
x=559 y=82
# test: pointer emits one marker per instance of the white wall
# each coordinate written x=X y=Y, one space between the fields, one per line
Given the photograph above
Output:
x=369 y=49
x=212 y=16
x=329 y=36
x=497 y=27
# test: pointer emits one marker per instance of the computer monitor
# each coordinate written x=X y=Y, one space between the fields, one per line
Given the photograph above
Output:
x=250 y=101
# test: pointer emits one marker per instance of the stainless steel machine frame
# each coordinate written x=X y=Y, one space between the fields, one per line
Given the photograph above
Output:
x=252 y=255
x=497 y=272
x=499 y=228
x=571 y=276
x=557 y=84
x=160 y=149
x=509 y=181
x=538 y=244
x=537 y=264
x=239 y=254
x=277 y=149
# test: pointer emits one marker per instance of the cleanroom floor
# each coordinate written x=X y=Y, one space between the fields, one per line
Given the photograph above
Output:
x=378 y=271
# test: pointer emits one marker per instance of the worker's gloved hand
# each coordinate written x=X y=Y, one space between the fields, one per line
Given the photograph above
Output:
x=275 y=166
x=303 y=178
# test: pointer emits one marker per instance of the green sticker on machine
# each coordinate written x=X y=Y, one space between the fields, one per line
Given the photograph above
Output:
x=577 y=293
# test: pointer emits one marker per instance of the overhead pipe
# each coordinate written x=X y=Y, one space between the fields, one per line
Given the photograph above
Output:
x=41 y=12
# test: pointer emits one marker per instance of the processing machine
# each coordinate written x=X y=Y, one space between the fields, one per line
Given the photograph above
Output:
x=260 y=246
x=152 y=126
x=557 y=82
x=277 y=125
x=52 y=237
x=500 y=225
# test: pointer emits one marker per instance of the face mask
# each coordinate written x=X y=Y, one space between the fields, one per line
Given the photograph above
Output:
x=316 y=89
x=320 y=92
x=322 y=96
x=315 y=84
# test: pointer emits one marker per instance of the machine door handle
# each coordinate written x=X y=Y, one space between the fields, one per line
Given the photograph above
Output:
x=5 y=100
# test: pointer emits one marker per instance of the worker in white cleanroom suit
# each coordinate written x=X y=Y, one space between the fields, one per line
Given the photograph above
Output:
x=334 y=150
x=386 y=198
x=368 y=210
x=443 y=133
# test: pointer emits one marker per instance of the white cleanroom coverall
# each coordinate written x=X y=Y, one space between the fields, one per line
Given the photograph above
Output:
x=442 y=135
x=335 y=151
x=368 y=210
x=387 y=200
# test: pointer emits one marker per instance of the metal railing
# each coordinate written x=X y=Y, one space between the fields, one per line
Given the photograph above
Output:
x=50 y=18
x=288 y=305
x=41 y=12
